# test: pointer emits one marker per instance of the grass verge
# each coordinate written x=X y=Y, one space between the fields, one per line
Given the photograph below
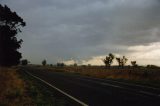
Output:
x=13 y=89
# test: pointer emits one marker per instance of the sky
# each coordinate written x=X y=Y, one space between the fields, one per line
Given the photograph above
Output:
x=85 y=31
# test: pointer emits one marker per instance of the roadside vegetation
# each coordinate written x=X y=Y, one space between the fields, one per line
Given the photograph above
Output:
x=13 y=90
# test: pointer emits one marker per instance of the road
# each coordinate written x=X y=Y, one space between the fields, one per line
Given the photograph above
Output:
x=100 y=92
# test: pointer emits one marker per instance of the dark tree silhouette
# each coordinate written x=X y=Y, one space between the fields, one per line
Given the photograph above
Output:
x=109 y=60
x=44 y=62
x=75 y=65
x=152 y=66
x=24 y=62
x=10 y=24
x=122 y=61
x=60 y=64
x=133 y=63
x=119 y=61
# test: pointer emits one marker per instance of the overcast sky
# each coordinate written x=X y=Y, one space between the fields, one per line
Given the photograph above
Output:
x=87 y=30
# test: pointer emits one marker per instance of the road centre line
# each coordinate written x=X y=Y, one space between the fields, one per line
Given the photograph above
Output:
x=107 y=84
x=148 y=93
x=124 y=83
x=102 y=83
x=110 y=85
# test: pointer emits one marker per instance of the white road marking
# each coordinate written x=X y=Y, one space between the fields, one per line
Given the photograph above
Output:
x=136 y=85
x=73 y=98
x=107 y=84
x=123 y=83
x=110 y=85
x=102 y=83
x=148 y=93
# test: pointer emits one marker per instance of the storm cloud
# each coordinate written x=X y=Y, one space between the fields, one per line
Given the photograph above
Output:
x=85 y=29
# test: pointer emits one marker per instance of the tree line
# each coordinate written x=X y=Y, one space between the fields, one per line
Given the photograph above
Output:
x=121 y=61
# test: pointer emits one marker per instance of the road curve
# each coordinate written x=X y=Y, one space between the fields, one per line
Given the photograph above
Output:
x=99 y=92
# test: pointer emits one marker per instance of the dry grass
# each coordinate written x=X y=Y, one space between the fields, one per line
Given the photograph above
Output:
x=12 y=88
x=102 y=72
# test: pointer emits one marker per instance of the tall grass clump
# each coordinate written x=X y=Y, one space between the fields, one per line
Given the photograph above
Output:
x=12 y=88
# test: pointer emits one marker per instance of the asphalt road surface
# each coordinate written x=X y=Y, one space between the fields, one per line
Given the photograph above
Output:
x=100 y=92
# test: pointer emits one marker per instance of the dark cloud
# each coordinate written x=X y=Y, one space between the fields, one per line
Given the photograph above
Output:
x=84 y=28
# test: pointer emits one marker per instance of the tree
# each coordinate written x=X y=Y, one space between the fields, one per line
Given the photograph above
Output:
x=44 y=62
x=152 y=66
x=10 y=24
x=119 y=61
x=24 y=62
x=122 y=61
x=133 y=63
x=60 y=64
x=75 y=65
x=108 y=60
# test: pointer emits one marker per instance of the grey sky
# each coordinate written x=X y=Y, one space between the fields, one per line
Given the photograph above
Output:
x=84 y=29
